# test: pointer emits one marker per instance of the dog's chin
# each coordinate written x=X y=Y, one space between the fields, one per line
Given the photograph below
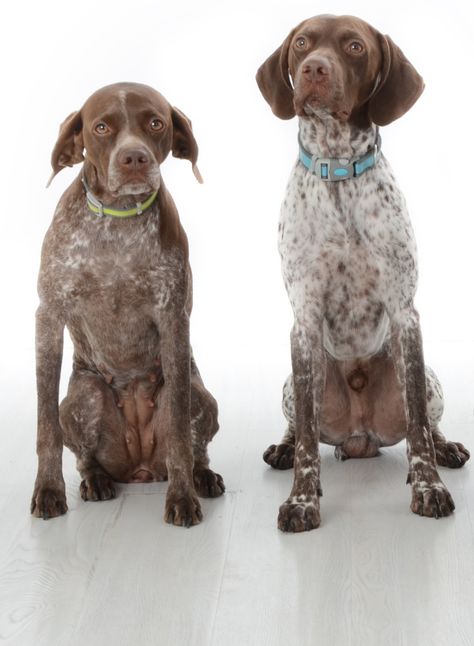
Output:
x=313 y=105
x=325 y=114
x=134 y=188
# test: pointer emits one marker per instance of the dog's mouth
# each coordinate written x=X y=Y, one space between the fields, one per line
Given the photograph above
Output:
x=134 y=184
x=322 y=101
x=133 y=188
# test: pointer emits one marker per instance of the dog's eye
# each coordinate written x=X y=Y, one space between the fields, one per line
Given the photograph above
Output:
x=101 y=128
x=156 y=124
x=300 y=42
x=355 y=47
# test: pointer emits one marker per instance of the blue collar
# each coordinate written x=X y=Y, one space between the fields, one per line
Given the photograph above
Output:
x=332 y=169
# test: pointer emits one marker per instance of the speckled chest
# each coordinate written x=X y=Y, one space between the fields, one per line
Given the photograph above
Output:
x=106 y=275
x=105 y=259
x=348 y=255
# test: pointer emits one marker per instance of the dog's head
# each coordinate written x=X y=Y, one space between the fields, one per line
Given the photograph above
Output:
x=126 y=131
x=342 y=67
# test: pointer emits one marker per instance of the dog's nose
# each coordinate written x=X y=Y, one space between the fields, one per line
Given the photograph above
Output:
x=133 y=158
x=316 y=70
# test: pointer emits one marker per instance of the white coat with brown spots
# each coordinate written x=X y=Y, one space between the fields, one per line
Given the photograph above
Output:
x=350 y=269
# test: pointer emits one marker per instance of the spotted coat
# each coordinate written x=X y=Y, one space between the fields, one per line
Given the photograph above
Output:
x=350 y=269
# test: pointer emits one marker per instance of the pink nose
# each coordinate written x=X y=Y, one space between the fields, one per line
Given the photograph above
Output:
x=133 y=158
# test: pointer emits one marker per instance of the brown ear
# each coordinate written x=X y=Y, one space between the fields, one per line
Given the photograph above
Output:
x=273 y=79
x=399 y=87
x=184 y=145
x=69 y=147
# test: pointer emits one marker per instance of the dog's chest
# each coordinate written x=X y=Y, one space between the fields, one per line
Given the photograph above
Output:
x=112 y=272
x=346 y=248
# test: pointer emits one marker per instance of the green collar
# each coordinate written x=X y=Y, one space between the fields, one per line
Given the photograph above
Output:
x=99 y=209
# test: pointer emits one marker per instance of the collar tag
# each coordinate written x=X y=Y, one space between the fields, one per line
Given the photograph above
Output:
x=332 y=169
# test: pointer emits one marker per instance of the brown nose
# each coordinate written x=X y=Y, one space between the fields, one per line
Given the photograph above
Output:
x=133 y=158
x=316 y=70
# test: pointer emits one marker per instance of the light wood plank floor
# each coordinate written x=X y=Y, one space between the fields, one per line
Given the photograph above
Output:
x=115 y=573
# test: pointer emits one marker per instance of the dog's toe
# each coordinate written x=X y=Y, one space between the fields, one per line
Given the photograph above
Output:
x=434 y=502
x=97 y=486
x=48 y=502
x=280 y=456
x=182 y=510
x=208 y=484
x=452 y=454
x=298 y=517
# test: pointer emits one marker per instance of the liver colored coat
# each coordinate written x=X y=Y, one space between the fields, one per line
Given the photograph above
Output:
x=136 y=408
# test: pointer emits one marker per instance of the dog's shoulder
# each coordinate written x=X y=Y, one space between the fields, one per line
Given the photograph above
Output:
x=173 y=238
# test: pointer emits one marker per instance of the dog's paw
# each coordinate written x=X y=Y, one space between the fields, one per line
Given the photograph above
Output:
x=183 y=510
x=48 y=501
x=97 y=486
x=299 y=516
x=434 y=501
x=452 y=454
x=280 y=456
x=208 y=484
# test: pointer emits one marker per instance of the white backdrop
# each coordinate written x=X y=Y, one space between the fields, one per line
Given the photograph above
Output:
x=202 y=56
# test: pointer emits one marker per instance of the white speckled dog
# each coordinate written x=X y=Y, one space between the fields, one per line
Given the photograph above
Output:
x=349 y=265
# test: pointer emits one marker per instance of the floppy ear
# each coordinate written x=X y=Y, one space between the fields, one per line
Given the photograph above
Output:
x=399 y=87
x=184 y=145
x=273 y=80
x=69 y=147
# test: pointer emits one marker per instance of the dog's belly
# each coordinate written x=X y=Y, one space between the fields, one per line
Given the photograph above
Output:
x=123 y=347
x=355 y=336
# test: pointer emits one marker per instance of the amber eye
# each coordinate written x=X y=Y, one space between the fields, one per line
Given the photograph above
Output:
x=101 y=128
x=300 y=42
x=355 y=47
x=156 y=125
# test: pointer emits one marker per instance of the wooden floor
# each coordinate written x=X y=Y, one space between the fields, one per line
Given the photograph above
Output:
x=115 y=573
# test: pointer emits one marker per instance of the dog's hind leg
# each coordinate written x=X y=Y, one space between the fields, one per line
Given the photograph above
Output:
x=448 y=454
x=281 y=456
x=82 y=414
x=204 y=426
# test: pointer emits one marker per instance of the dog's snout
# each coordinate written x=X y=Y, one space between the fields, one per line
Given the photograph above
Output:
x=316 y=70
x=132 y=162
x=133 y=158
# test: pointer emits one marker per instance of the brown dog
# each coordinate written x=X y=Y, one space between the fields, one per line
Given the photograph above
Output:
x=115 y=271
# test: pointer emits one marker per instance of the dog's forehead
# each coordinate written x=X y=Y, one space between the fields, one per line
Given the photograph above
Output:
x=330 y=25
x=125 y=98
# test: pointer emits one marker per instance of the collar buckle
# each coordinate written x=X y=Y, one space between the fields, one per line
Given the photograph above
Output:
x=332 y=169
x=93 y=200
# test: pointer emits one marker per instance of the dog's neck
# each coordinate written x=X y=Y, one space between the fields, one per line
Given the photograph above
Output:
x=97 y=186
x=325 y=136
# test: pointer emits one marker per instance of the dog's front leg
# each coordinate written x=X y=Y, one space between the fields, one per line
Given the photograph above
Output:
x=430 y=496
x=300 y=511
x=182 y=506
x=49 y=497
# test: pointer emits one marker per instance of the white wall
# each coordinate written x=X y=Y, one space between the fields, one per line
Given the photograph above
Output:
x=203 y=57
